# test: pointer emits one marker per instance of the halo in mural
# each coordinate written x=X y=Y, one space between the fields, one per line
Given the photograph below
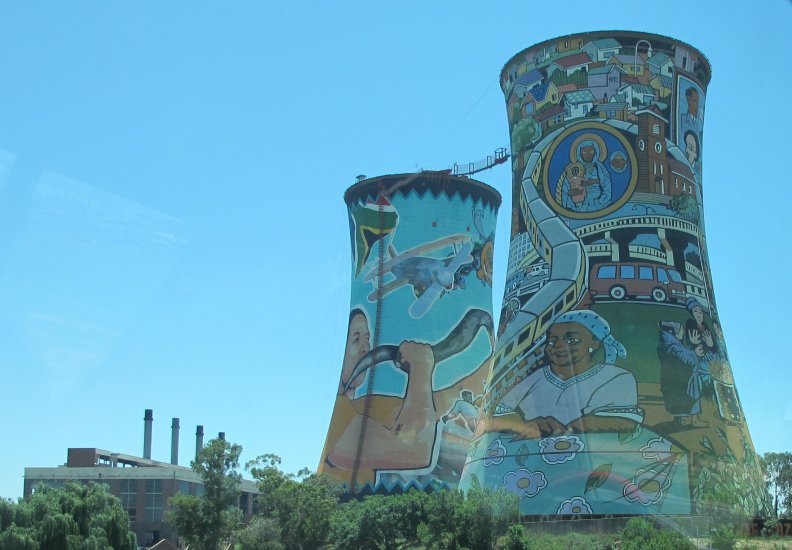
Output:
x=590 y=170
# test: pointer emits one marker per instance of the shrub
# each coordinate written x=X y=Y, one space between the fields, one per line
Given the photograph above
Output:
x=724 y=538
x=640 y=534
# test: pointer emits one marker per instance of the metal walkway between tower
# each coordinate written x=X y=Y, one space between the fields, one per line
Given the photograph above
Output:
x=468 y=169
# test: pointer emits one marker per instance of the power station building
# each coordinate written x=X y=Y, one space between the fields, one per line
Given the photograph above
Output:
x=143 y=485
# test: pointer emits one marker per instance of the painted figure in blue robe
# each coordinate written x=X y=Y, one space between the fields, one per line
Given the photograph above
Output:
x=586 y=184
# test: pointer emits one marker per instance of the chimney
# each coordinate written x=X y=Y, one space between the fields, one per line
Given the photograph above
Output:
x=147 y=421
x=175 y=441
x=198 y=440
x=221 y=436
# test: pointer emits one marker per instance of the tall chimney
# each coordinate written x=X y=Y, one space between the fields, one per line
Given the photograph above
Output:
x=147 y=421
x=221 y=436
x=198 y=439
x=175 y=441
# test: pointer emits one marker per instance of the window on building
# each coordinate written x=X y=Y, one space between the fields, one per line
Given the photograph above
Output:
x=661 y=169
x=153 y=500
x=128 y=496
x=184 y=487
x=656 y=129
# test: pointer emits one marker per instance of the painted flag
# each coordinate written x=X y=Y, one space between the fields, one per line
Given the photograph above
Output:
x=372 y=222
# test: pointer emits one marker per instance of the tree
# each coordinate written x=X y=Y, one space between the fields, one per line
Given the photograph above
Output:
x=685 y=205
x=75 y=517
x=525 y=132
x=302 y=504
x=778 y=477
x=205 y=521
x=261 y=534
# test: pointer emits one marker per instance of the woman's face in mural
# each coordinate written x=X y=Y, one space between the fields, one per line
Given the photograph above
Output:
x=358 y=345
x=691 y=148
x=698 y=314
x=587 y=153
x=567 y=348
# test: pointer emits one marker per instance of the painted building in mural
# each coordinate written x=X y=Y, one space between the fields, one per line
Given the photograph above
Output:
x=611 y=390
x=420 y=335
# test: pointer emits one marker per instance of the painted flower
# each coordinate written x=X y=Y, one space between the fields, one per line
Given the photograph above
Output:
x=647 y=487
x=524 y=483
x=495 y=453
x=574 y=506
x=557 y=450
x=658 y=449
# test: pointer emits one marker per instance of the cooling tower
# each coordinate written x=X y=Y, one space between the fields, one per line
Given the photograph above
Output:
x=611 y=390
x=420 y=334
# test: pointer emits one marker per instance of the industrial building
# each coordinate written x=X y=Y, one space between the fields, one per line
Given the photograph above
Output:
x=143 y=485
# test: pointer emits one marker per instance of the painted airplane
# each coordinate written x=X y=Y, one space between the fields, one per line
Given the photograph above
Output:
x=429 y=277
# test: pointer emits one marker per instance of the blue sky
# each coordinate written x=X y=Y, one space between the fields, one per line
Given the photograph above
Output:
x=172 y=229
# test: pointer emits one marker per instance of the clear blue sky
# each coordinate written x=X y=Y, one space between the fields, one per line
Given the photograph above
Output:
x=172 y=229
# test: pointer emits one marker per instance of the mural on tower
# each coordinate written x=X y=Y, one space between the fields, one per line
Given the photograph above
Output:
x=420 y=334
x=611 y=390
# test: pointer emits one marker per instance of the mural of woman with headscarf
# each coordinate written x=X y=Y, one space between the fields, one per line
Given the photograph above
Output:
x=578 y=389
x=569 y=437
x=586 y=183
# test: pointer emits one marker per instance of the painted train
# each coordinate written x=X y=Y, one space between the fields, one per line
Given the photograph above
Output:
x=558 y=246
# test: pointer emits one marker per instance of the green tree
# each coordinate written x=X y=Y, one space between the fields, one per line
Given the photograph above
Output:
x=778 y=478
x=525 y=132
x=205 y=521
x=685 y=205
x=75 y=517
x=260 y=534
x=302 y=504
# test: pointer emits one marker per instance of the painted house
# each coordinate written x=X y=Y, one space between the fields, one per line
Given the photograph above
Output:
x=569 y=43
x=550 y=116
x=614 y=109
x=682 y=179
x=637 y=94
x=578 y=104
x=544 y=54
x=602 y=49
x=566 y=88
x=660 y=63
x=682 y=58
x=527 y=81
x=540 y=96
x=570 y=64
x=632 y=64
x=605 y=81
x=661 y=85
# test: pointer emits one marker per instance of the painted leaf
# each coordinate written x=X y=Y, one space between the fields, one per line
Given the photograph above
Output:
x=522 y=455
x=598 y=477
x=474 y=480
x=707 y=444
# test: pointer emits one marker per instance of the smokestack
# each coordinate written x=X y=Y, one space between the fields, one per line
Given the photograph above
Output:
x=198 y=440
x=148 y=418
x=221 y=436
x=175 y=441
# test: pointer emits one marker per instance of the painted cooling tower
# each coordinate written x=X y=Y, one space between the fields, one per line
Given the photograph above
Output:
x=420 y=335
x=611 y=390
